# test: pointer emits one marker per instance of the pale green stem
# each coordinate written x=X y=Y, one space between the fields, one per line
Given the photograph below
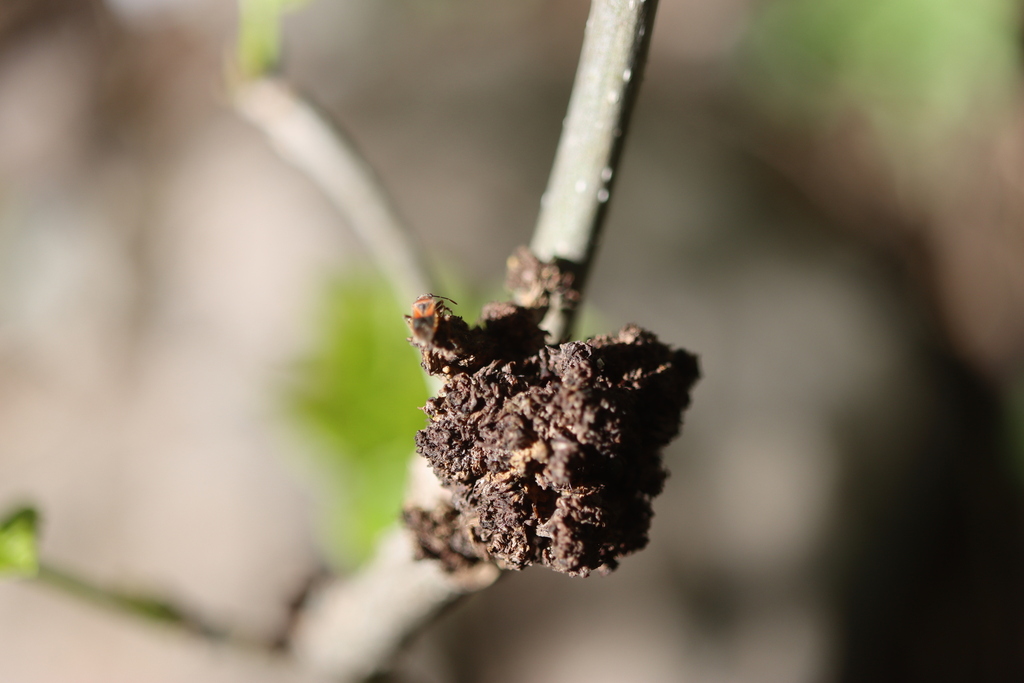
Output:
x=153 y=609
x=574 y=205
x=308 y=140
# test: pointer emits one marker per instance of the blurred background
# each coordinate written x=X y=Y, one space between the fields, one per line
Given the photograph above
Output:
x=824 y=199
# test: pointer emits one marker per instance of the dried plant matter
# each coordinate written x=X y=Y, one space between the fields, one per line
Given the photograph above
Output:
x=552 y=454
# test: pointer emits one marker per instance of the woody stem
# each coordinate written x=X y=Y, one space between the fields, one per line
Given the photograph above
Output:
x=315 y=145
x=575 y=204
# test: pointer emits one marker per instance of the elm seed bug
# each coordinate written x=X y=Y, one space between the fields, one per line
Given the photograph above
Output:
x=426 y=311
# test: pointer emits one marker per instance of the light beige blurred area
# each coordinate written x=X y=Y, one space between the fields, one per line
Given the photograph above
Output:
x=843 y=502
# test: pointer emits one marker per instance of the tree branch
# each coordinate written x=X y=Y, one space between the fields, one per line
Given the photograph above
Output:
x=306 y=139
x=575 y=203
x=153 y=609
x=351 y=627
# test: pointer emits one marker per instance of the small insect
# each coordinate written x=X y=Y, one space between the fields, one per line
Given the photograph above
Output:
x=426 y=312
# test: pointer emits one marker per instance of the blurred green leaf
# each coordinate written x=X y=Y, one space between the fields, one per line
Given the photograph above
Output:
x=259 y=34
x=914 y=67
x=1014 y=423
x=18 y=556
x=358 y=394
x=590 y=322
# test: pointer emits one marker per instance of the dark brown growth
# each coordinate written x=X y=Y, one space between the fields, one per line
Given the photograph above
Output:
x=552 y=454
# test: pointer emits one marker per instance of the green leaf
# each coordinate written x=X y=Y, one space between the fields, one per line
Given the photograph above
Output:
x=18 y=556
x=1013 y=423
x=357 y=395
x=259 y=34
x=915 y=68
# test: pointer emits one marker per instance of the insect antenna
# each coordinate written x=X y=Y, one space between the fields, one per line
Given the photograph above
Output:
x=438 y=296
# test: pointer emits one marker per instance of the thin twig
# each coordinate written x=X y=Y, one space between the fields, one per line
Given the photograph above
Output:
x=351 y=626
x=150 y=608
x=305 y=138
x=574 y=205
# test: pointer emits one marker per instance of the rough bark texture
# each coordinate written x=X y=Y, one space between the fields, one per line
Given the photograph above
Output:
x=552 y=454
